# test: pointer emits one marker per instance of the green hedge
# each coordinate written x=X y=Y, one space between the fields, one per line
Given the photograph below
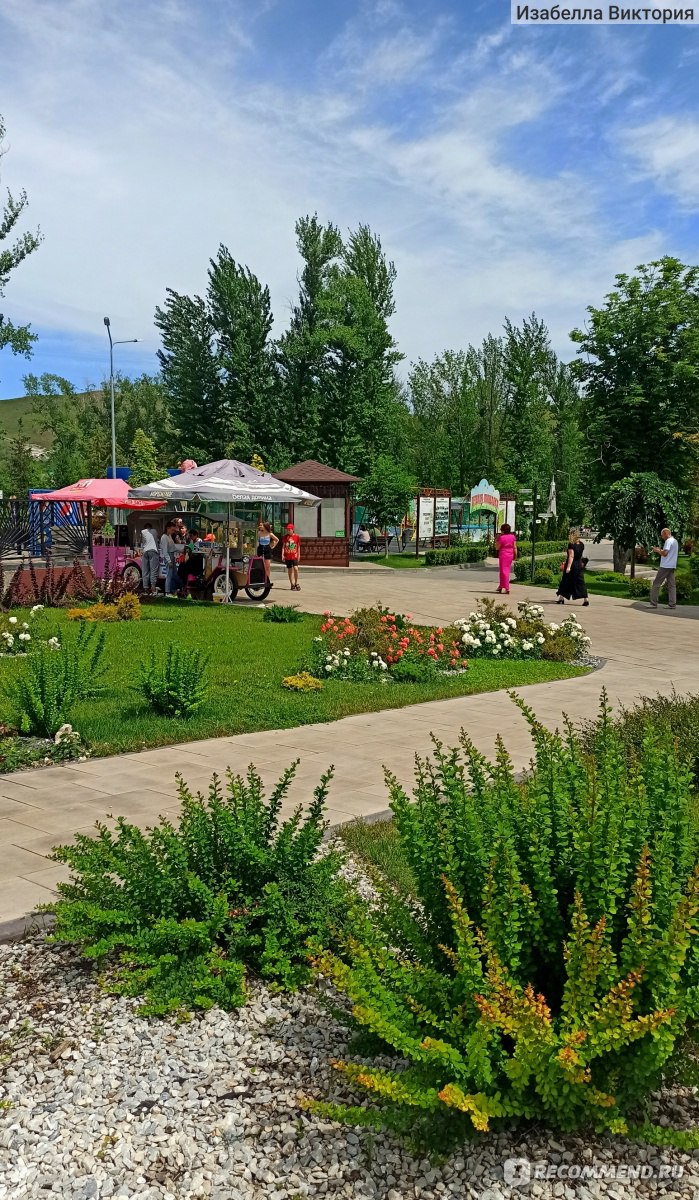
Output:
x=522 y=566
x=456 y=554
x=542 y=548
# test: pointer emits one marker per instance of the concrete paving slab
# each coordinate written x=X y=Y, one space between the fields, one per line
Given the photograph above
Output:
x=645 y=652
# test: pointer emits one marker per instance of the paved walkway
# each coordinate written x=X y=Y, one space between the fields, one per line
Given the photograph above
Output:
x=646 y=652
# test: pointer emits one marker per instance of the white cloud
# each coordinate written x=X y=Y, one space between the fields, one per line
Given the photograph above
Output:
x=667 y=151
x=143 y=143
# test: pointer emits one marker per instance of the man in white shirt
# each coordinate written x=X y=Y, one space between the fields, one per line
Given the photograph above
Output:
x=149 y=560
x=666 y=573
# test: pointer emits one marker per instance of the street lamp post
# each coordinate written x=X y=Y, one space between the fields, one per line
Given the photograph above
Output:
x=112 y=344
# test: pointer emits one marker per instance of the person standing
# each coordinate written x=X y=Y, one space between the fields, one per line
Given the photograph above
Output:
x=507 y=553
x=266 y=541
x=149 y=561
x=572 y=585
x=291 y=555
x=168 y=549
x=666 y=571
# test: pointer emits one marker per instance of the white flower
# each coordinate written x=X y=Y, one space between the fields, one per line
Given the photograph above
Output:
x=328 y=667
x=54 y=643
x=384 y=666
x=527 y=646
x=37 y=608
x=553 y=627
x=24 y=637
x=64 y=733
x=540 y=638
x=12 y=620
x=9 y=640
x=346 y=653
x=24 y=625
x=317 y=639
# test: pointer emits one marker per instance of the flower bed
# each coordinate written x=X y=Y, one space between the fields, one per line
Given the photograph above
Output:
x=20 y=637
x=493 y=632
x=375 y=641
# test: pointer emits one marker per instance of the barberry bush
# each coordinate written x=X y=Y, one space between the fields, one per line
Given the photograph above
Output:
x=183 y=912
x=548 y=962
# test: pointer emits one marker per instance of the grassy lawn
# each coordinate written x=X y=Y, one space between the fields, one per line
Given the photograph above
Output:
x=249 y=659
x=399 y=562
x=377 y=844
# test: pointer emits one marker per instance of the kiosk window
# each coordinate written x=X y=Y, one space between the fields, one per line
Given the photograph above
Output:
x=332 y=517
x=306 y=521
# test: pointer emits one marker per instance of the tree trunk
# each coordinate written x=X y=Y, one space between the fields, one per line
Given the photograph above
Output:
x=621 y=557
x=632 y=572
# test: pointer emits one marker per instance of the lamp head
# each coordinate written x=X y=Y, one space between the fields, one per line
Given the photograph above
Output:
x=106 y=321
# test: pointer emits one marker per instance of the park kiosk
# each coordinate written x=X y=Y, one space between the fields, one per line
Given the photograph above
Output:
x=234 y=487
x=326 y=529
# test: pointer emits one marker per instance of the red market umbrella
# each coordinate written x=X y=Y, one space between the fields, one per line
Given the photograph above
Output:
x=103 y=493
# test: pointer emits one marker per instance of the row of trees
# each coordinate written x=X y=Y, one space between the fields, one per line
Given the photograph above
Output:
x=627 y=408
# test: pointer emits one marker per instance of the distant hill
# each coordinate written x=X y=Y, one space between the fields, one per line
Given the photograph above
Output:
x=12 y=411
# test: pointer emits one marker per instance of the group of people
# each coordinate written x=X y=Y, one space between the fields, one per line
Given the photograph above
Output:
x=572 y=585
x=267 y=541
x=172 y=556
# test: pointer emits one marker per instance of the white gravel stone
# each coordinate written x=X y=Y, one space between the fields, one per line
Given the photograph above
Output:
x=107 y=1104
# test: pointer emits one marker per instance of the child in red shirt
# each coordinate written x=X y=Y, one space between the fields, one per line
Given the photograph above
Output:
x=291 y=555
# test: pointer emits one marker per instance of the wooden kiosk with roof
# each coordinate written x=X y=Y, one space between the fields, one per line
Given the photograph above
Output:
x=325 y=530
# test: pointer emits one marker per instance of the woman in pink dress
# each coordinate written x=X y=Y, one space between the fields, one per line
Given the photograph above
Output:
x=506 y=546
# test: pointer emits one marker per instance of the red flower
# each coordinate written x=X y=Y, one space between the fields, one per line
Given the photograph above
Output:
x=440 y=647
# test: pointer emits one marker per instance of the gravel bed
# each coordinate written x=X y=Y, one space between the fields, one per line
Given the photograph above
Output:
x=104 y=1103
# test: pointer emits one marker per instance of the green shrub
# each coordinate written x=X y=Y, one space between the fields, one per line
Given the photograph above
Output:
x=673 y=719
x=474 y=553
x=544 y=575
x=189 y=907
x=550 y=963
x=176 y=686
x=609 y=577
x=694 y=566
x=55 y=677
x=280 y=614
x=638 y=586
x=522 y=566
x=409 y=669
x=685 y=585
x=525 y=548
x=559 y=647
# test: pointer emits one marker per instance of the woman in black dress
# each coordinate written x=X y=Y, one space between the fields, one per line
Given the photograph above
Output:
x=572 y=585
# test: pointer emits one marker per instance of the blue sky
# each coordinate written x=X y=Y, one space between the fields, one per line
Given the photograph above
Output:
x=506 y=169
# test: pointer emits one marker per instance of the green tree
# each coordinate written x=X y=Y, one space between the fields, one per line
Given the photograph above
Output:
x=448 y=441
x=199 y=416
x=61 y=411
x=633 y=510
x=19 y=338
x=300 y=350
x=240 y=312
x=639 y=366
x=143 y=460
x=20 y=469
x=360 y=392
x=528 y=433
x=386 y=493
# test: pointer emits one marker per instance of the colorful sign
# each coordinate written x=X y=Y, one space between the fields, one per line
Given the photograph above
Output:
x=426 y=518
x=484 y=498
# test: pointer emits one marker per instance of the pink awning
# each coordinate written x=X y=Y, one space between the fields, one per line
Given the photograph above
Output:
x=103 y=493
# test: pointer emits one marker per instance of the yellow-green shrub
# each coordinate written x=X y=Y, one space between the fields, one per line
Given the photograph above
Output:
x=304 y=682
x=550 y=962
